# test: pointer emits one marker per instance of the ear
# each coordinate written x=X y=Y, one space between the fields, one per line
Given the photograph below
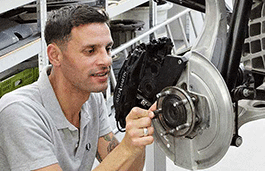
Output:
x=54 y=53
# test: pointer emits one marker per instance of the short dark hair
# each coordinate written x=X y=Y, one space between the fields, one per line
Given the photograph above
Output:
x=61 y=22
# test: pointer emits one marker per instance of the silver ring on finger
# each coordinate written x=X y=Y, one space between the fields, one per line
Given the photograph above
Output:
x=145 y=132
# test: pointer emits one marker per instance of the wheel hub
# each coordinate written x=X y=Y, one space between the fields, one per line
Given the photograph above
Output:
x=176 y=111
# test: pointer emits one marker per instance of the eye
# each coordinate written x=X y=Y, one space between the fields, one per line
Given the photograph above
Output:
x=89 y=51
x=108 y=49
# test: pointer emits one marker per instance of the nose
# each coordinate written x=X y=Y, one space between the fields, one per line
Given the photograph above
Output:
x=105 y=59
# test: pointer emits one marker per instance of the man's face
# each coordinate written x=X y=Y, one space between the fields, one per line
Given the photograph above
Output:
x=86 y=59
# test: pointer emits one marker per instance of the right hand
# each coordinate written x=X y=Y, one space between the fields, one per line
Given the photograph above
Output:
x=136 y=121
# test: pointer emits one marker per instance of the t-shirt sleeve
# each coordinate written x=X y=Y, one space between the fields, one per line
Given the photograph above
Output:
x=104 y=125
x=24 y=138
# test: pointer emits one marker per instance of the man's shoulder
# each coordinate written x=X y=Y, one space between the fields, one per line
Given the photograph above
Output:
x=26 y=94
x=21 y=106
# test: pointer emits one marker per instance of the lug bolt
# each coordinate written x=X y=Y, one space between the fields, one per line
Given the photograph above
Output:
x=181 y=102
x=183 y=126
x=171 y=131
x=161 y=94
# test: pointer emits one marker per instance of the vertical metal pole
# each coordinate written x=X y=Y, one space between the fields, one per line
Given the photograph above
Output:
x=112 y=78
x=41 y=21
x=152 y=17
x=104 y=4
x=155 y=158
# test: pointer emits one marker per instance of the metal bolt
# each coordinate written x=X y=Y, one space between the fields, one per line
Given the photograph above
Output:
x=171 y=131
x=183 y=126
x=238 y=141
x=181 y=102
x=161 y=94
x=194 y=98
x=158 y=95
x=179 y=62
x=143 y=102
x=247 y=92
x=156 y=112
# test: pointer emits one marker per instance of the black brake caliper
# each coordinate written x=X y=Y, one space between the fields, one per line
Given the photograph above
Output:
x=147 y=70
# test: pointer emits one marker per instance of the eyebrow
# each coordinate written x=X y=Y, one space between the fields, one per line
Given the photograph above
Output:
x=94 y=45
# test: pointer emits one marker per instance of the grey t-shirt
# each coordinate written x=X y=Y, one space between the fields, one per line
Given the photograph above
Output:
x=34 y=132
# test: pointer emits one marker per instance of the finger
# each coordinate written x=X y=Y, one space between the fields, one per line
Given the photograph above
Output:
x=149 y=131
x=138 y=133
x=142 y=122
x=135 y=133
x=138 y=123
x=137 y=112
x=143 y=141
x=153 y=107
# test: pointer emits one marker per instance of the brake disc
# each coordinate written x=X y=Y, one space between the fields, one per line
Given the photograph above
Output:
x=195 y=122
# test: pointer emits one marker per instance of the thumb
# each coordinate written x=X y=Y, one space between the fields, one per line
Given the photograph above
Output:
x=153 y=107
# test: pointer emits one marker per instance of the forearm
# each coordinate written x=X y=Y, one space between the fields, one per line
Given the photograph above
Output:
x=138 y=164
x=119 y=159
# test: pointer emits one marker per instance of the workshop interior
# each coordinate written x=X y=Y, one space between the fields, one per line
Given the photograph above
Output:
x=202 y=61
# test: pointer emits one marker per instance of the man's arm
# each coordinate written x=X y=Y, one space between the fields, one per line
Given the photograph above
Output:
x=130 y=153
x=107 y=143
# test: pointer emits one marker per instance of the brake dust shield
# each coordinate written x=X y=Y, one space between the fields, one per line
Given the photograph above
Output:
x=195 y=123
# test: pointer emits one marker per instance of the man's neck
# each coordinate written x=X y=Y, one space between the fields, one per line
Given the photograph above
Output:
x=70 y=101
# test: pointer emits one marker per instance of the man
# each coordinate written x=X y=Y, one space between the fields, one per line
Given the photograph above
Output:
x=60 y=121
